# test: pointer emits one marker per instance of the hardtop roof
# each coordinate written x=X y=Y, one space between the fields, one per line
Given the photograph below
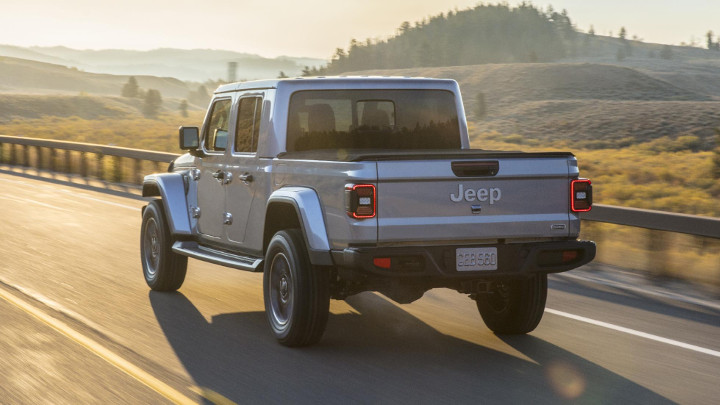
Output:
x=342 y=82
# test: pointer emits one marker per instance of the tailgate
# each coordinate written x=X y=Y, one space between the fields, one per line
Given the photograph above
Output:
x=521 y=197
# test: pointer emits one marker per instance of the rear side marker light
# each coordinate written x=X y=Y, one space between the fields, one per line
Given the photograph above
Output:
x=549 y=258
x=382 y=262
x=581 y=195
x=360 y=200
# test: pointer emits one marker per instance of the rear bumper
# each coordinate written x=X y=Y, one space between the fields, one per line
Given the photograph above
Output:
x=439 y=262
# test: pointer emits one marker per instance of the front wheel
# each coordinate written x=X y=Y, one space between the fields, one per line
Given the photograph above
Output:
x=297 y=295
x=164 y=270
x=514 y=307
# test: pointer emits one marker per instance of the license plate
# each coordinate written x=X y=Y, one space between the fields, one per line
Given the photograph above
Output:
x=475 y=259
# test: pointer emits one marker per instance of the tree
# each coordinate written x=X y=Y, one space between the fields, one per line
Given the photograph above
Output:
x=710 y=43
x=199 y=96
x=282 y=75
x=153 y=101
x=130 y=89
x=183 y=108
x=623 y=33
x=592 y=31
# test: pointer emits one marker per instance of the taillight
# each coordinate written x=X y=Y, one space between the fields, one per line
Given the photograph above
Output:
x=581 y=195
x=360 y=200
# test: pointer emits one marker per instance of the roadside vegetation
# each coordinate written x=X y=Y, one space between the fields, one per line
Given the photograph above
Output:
x=662 y=174
x=130 y=131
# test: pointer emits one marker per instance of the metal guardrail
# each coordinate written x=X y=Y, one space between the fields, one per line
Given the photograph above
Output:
x=657 y=220
x=648 y=219
x=82 y=158
x=90 y=160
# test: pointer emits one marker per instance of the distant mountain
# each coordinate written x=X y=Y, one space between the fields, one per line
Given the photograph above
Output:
x=197 y=65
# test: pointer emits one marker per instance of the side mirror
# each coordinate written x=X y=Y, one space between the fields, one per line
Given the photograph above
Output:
x=189 y=138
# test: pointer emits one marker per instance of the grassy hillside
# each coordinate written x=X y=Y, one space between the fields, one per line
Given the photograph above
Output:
x=87 y=107
x=24 y=76
x=592 y=105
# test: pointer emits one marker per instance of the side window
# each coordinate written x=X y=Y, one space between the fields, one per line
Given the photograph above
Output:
x=248 y=124
x=216 y=132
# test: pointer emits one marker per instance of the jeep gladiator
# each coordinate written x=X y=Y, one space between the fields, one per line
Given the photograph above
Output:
x=335 y=186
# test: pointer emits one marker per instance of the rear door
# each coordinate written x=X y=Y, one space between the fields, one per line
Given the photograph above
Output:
x=472 y=199
x=243 y=166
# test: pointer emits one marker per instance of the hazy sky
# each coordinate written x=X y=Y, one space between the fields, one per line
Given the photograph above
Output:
x=305 y=27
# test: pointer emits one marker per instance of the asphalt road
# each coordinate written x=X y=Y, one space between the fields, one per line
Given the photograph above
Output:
x=79 y=325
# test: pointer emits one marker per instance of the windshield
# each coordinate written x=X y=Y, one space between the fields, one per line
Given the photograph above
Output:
x=373 y=119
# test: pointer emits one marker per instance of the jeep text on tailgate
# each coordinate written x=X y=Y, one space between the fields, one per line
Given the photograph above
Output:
x=335 y=186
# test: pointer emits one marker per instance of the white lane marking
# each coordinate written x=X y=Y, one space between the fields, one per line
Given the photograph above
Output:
x=623 y=286
x=99 y=350
x=27 y=200
x=635 y=332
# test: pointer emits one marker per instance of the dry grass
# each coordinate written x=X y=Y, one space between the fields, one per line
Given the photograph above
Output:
x=132 y=130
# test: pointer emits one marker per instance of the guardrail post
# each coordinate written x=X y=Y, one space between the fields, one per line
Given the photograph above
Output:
x=13 y=158
x=83 y=164
x=658 y=257
x=137 y=171
x=117 y=174
x=53 y=156
x=2 y=153
x=26 y=155
x=38 y=154
x=100 y=166
x=68 y=161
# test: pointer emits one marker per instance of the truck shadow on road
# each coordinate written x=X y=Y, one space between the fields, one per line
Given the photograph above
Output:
x=380 y=355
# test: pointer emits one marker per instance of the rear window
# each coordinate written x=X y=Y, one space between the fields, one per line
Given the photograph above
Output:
x=372 y=119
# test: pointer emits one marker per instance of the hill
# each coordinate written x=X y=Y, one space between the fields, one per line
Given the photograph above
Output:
x=592 y=105
x=197 y=65
x=25 y=76
x=86 y=107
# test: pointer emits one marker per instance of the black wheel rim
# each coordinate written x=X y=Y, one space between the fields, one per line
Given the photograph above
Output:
x=498 y=297
x=151 y=248
x=281 y=291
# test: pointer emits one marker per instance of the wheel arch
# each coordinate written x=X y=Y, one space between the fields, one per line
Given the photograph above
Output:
x=299 y=207
x=170 y=187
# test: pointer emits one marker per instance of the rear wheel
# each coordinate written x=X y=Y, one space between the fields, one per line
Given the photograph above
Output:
x=164 y=270
x=297 y=296
x=514 y=307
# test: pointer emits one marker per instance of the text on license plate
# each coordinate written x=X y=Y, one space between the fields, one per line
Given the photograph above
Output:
x=473 y=259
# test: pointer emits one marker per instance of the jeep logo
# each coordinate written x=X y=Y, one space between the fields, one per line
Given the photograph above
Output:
x=481 y=194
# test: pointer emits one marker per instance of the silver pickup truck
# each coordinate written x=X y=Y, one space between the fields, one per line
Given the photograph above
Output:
x=335 y=186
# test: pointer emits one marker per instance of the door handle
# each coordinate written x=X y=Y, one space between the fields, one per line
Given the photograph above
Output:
x=246 y=178
x=223 y=177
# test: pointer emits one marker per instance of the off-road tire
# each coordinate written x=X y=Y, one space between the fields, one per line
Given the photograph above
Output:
x=514 y=307
x=296 y=294
x=164 y=270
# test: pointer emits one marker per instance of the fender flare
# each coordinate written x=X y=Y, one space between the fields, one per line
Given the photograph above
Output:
x=312 y=221
x=171 y=187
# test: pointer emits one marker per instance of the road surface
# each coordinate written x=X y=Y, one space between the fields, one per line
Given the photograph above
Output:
x=79 y=325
